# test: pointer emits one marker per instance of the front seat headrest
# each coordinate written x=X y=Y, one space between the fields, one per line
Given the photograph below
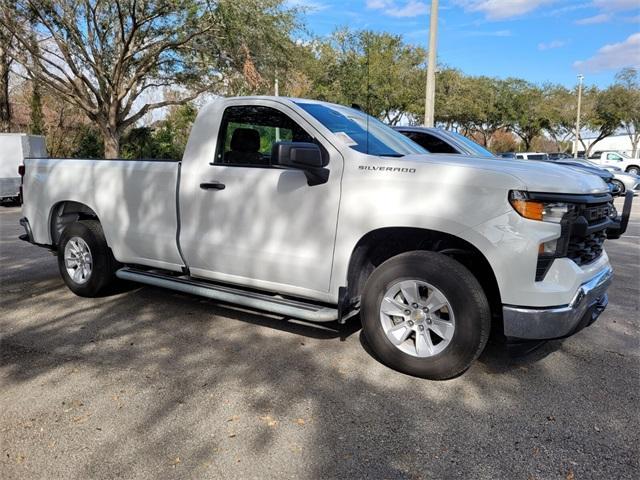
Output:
x=245 y=140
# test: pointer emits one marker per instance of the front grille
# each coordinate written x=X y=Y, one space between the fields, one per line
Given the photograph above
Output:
x=594 y=213
x=584 y=230
x=584 y=250
x=586 y=238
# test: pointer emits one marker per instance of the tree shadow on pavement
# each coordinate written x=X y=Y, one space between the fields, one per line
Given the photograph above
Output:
x=151 y=383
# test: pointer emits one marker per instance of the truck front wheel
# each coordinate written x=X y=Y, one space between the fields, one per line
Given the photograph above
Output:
x=84 y=258
x=426 y=315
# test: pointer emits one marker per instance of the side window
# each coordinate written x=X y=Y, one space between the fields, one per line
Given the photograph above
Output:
x=247 y=134
x=520 y=157
x=613 y=156
x=431 y=143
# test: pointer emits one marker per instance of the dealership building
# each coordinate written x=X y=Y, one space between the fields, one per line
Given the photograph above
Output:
x=618 y=143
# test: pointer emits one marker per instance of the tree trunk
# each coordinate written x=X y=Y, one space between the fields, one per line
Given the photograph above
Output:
x=5 y=107
x=37 y=117
x=111 y=145
x=634 y=136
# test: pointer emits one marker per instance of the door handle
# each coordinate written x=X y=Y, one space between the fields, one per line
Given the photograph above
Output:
x=212 y=186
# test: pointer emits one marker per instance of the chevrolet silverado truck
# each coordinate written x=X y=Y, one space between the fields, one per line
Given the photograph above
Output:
x=315 y=211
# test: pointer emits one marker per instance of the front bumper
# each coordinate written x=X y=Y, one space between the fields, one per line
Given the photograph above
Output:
x=556 y=322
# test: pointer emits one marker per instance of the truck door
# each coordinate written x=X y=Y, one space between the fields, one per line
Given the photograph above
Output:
x=612 y=159
x=245 y=221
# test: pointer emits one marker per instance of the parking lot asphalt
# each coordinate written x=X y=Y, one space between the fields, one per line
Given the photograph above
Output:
x=147 y=383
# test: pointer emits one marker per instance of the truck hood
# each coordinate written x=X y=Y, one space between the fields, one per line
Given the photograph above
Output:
x=535 y=176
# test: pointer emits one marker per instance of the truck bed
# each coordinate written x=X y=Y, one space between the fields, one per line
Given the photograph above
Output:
x=135 y=200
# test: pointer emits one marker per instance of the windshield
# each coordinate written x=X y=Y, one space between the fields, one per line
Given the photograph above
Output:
x=361 y=132
x=477 y=149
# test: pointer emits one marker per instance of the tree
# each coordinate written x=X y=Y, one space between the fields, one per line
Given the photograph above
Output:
x=629 y=80
x=252 y=44
x=166 y=139
x=605 y=113
x=454 y=100
x=377 y=71
x=37 y=119
x=109 y=58
x=560 y=106
x=488 y=114
x=524 y=109
x=5 y=68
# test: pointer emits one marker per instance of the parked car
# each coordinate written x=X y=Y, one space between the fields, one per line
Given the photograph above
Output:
x=439 y=140
x=604 y=174
x=14 y=148
x=616 y=159
x=342 y=215
x=622 y=180
x=558 y=155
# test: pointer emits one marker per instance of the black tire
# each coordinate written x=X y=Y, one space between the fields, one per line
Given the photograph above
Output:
x=634 y=170
x=465 y=295
x=103 y=264
x=622 y=189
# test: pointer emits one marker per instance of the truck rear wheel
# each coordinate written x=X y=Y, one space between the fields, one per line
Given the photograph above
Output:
x=426 y=315
x=84 y=258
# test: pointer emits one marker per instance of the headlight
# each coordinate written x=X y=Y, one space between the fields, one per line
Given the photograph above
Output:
x=552 y=212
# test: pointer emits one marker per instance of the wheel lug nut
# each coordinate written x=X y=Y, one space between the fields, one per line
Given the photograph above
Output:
x=414 y=305
x=421 y=327
x=407 y=312
x=410 y=323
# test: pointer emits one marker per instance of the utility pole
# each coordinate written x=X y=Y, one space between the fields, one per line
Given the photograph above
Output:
x=277 y=92
x=580 y=79
x=431 y=67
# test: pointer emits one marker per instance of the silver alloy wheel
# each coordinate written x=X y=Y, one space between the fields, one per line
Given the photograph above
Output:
x=621 y=187
x=417 y=318
x=78 y=260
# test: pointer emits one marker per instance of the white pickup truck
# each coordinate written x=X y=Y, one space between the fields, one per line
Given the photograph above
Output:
x=616 y=159
x=315 y=211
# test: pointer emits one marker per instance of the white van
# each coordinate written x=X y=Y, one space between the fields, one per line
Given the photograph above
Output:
x=14 y=148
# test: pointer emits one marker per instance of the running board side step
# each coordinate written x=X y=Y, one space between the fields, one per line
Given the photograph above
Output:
x=259 y=301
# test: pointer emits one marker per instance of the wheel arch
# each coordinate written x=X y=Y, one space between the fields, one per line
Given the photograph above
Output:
x=64 y=213
x=379 y=245
x=632 y=166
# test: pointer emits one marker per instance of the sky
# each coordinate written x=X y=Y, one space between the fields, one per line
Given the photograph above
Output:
x=538 y=40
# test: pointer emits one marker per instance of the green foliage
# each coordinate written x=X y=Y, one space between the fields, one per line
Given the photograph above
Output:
x=605 y=111
x=252 y=43
x=89 y=144
x=167 y=141
x=376 y=71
